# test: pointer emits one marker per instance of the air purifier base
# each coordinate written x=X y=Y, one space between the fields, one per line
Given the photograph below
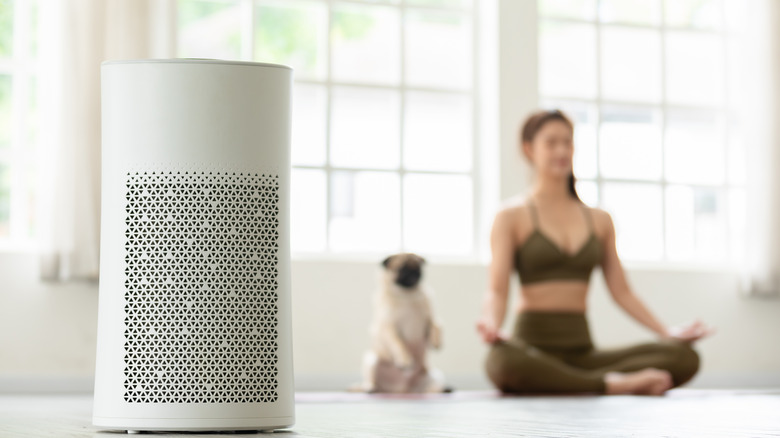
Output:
x=135 y=425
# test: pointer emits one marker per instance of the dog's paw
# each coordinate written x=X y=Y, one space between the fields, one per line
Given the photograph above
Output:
x=434 y=340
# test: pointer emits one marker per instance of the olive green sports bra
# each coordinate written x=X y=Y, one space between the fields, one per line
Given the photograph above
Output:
x=539 y=258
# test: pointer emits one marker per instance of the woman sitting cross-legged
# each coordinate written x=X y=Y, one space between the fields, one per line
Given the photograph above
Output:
x=554 y=240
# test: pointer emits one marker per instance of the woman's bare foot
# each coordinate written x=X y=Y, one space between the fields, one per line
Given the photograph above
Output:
x=648 y=381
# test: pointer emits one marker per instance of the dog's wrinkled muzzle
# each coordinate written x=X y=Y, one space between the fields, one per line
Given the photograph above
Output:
x=408 y=277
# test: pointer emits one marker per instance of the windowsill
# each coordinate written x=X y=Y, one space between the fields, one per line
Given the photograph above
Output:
x=680 y=266
x=437 y=260
x=12 y=249
x=8 y=250
x=16 y=248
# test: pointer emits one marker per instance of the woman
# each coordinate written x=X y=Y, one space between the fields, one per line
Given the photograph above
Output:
x=554 y=240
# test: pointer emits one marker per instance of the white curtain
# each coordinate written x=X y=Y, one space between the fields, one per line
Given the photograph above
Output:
x=759 y=109
x=77 y=35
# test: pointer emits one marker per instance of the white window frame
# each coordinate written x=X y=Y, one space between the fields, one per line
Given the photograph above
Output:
x=483 y=195
x=520 y=23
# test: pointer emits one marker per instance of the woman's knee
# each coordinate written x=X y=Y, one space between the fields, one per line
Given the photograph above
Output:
x=686 y=361
x=506 y=365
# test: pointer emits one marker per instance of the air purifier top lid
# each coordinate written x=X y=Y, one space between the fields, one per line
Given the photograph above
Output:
x=194 y=61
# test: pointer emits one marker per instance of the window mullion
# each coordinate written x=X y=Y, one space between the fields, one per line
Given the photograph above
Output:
x=726 y=193
x=248 y=30
x=402 y=121
x=664 y=123
x=599 y=102
x=328 y=119
x=476 y=134
x=19 y=109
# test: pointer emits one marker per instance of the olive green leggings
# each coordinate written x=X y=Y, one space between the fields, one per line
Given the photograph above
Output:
x=552 y=352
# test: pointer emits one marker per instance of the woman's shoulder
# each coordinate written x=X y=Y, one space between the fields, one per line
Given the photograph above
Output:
x=512 y=214
x=601 y=218
x=597 y=212
x=512 y=207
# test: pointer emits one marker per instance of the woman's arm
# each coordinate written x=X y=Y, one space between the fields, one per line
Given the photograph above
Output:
x=495 y=299
x=619 y=288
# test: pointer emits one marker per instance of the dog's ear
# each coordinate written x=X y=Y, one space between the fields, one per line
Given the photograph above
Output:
x=386 y=261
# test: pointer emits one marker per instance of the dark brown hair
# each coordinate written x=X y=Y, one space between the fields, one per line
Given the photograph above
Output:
x=534 y=123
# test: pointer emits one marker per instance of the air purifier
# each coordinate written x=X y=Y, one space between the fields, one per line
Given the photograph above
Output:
x=194 y=324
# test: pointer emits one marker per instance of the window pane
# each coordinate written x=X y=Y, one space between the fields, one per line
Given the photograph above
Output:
x=565 y=48
x=635 y=11
x=307 y=210
x=585 y=117
x=5 y=199
x=737 y=158
x=34 y=20
x=735 y=13
x=737 y=225
x=365 y=44
x=293 y=34
x=27 y=227
x=209 y=29
x=588 y=192
x=628 y=73
x=735 y=70
x=309 y=125
x=438 y=214
x=701 y=14
x=437 y=135
x=32 y=114
x=636 y=210
x=5 y=111
x=6 y=27
x=695 y=150
x=695 y=224
x=438 y=50
x=630 y=143
x=694 y=68
x=365 y=211
x=365 y=126
x=582 y=9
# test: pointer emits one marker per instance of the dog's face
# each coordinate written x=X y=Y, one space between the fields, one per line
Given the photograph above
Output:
x=404 y=269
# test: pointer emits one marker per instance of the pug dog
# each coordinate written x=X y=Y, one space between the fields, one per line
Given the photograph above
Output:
x=402 y=330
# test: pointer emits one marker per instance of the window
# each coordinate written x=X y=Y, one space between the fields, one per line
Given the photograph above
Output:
x=656 y=143
x=383 y=140
x=18 y=121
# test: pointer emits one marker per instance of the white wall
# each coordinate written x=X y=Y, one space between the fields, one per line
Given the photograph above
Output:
x=47 y=332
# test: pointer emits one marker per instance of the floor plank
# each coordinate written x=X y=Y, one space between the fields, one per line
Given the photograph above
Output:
x=681 y=412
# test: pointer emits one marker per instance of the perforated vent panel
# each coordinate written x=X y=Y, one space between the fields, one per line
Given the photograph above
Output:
x=201 y=287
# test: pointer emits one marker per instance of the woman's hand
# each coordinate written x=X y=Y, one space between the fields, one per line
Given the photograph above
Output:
x=489 y=332
x=690 y=332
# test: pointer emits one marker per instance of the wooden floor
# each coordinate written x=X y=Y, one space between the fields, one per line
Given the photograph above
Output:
x=681 y=412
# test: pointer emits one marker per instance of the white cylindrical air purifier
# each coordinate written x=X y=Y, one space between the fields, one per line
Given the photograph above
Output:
x=194 y=324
